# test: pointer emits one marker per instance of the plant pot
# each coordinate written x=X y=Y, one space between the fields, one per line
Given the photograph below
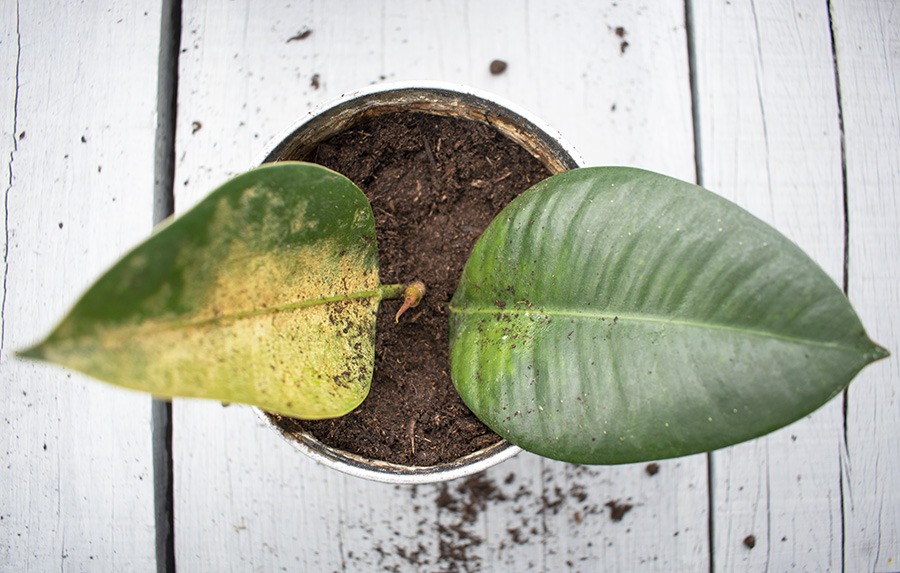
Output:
x=543 y=143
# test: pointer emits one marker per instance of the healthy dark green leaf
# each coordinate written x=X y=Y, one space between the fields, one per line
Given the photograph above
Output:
x=265 y=293
x=612 y=315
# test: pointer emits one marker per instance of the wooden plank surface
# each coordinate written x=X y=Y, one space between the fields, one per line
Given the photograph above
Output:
x=77 y=102
x=77 y=114
x=769 y=139
x=244 y=499
x=867 y=40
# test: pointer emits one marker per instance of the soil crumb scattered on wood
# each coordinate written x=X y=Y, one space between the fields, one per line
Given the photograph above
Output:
x=314 y=82
x=466 y=509
x=299 y=36
x=434 y=184
x=623 y=45
x=618 y=510
x=652 y=469
x=498 y=67
x=750 y=541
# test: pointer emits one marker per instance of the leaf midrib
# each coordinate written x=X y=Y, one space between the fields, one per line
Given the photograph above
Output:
x=287 y=307
x=380 y=293
x=626 y=317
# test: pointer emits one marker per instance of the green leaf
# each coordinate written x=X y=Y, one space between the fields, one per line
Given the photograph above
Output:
x=612 y=315
x=265 y=293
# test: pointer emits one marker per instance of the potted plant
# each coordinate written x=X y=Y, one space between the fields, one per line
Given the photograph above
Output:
x=430 y=201
x=606 y=315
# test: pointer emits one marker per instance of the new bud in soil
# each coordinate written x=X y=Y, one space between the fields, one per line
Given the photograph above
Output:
x=412 y=296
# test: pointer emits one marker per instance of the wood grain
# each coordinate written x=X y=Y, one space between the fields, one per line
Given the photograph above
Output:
x=867 y=42
x=769 y=140
x=76 y=479
x=246 y=500
x=78 y=104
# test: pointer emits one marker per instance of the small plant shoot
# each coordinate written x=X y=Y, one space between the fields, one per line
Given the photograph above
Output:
x=412 y=296
x=607 y=315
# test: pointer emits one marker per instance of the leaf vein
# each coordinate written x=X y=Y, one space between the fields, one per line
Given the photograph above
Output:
x=625 y=317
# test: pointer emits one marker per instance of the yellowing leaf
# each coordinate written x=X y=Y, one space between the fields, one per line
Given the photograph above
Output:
x=265 y=293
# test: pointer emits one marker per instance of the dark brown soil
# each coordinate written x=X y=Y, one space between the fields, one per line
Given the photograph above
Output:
x=434 y=183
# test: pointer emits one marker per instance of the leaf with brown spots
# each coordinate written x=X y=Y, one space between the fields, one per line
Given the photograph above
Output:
x=265 y=293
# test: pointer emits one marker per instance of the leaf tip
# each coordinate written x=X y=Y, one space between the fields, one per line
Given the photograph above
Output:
x=878 y=352
x=36 y=352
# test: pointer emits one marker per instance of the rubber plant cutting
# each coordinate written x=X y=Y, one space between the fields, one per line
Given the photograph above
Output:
x=606 y=315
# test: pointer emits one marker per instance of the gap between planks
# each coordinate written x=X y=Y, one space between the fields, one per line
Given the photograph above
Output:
x=163 y=207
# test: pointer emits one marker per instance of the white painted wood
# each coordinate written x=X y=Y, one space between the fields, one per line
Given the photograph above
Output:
x=79 y=87
x=867 y=40
x=9 y=54
x=665 y=529
x=769 y=140
x=244 y=499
